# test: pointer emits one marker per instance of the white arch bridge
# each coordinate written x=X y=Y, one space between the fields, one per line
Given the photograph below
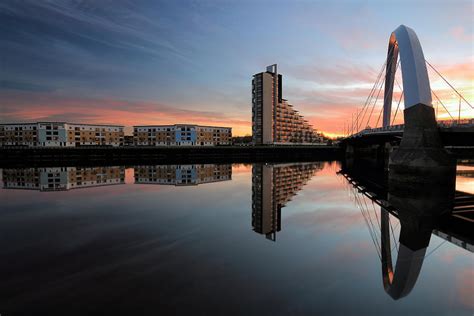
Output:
x=455 y=121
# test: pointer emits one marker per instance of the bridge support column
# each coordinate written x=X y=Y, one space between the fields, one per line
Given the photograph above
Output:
x=421 y=157
x=349 y=151
x=388 y=149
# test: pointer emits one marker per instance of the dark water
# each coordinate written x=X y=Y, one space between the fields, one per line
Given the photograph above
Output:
x=261 y=239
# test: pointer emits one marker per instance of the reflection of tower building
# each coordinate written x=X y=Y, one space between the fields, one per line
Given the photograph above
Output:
x=182 y=174
x=62 y=178
x=272 y=187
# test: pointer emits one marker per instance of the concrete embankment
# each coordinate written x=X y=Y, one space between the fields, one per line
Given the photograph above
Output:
x=14 y=156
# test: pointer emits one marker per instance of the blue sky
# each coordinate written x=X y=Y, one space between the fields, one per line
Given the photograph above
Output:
x=145 y=62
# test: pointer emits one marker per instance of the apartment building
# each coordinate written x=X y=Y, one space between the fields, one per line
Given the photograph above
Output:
x=19 y=134
x=182 y=175
x=62 y=178
x=181 y=135
x=60 y=134
x=273 y=186
x=274 y=119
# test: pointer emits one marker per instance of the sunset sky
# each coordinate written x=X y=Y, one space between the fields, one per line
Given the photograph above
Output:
x=166 y=62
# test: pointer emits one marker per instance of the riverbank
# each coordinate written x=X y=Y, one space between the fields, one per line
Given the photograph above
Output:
x=15 y=156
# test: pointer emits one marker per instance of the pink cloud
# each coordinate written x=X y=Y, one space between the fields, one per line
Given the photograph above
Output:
x=465 y=287
x=459 y=33
x=47 y=107
x=329 y=108
x=339 y=74
x=327 y=101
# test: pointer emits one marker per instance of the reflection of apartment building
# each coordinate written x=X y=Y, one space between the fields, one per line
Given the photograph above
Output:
x=272 y=187
x=62 y=178
x=274 y=120
x=181 y=175
x=181 y=135
x=60 y=134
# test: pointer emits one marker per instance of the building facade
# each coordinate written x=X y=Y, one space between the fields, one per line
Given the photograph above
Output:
x=181 y=135
x=273 y=186
x=60 y=134
x=182 y=175
x=274 y=120
x=62 y=178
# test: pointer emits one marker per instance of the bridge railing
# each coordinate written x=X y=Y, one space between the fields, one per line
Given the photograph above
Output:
x=400 y=127
x=390 y=128
x=449 y=123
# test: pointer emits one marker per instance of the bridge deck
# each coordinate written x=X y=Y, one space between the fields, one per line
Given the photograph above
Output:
x=463 y=126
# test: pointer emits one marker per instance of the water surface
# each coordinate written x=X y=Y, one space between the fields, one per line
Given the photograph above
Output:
x=256 y=239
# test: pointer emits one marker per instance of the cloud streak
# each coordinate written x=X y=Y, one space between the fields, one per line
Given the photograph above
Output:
x=44 y=107
x=194 y=61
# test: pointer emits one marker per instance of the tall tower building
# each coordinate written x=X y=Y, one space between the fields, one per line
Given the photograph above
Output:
x=274 y=120
x=266 y=93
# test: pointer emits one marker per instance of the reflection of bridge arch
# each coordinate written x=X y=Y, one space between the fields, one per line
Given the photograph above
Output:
x=415 y=229
x=400 y=281
x=416 y=84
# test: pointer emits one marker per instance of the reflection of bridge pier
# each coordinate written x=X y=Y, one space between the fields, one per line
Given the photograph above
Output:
x=421 y=212
x=400 y=281
x=273 y=185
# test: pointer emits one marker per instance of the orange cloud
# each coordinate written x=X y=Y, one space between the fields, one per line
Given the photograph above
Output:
x=44 y=107
x=326 y=96
x=330 y=108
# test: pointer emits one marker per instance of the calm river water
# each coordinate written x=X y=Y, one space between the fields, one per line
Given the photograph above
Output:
x=241 y=239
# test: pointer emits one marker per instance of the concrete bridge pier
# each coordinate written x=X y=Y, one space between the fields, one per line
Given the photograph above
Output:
x=388 y=149
x=421 y=157
x=349 y=151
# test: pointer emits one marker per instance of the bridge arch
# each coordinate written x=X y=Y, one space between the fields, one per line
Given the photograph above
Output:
x=416 y=84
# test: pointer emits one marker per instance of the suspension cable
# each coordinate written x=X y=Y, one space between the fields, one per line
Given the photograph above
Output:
x=367 y=216
x=398 y=106
x=373 y=106
x=372 y=91
x=378 y=119
x=398 y=84
x=396 y=81
x=442 y=104
x=366 y=106
x=369 y=226
x=393 y=234
x=459 y=94
x=429 y=254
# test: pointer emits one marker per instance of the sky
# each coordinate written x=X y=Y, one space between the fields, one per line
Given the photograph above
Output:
x=166 y=62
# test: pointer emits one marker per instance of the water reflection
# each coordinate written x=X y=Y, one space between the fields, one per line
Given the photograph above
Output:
x=273 y=185
x=110 y=239
x=180 y=175
x=62 y=178
x=421 y=210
